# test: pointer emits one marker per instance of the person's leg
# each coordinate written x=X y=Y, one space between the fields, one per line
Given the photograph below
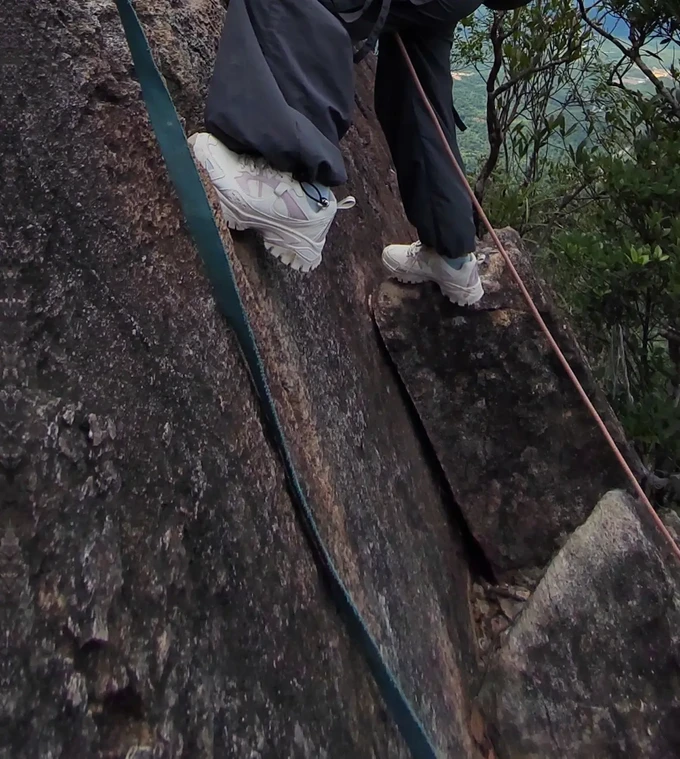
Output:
x=283 y=86
x=435 y=198
x=278 y=104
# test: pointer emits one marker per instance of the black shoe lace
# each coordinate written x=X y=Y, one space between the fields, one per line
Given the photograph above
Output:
x=323 y=202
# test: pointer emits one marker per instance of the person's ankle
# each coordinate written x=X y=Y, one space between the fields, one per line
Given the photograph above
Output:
x=459 y=261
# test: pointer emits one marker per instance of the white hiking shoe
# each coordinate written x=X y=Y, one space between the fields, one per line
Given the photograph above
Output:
x=293 y=223
x=418 y=263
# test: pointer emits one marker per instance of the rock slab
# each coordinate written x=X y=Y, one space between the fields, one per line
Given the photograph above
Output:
x=524 y=459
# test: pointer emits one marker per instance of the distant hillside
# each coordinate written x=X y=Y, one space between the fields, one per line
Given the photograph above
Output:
x=469 y=93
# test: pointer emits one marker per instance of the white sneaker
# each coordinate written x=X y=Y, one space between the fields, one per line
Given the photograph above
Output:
x=293 y=223
x=418 y=263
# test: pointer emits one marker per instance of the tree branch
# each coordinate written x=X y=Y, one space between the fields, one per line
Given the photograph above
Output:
x=530 y=72
x=633 y=55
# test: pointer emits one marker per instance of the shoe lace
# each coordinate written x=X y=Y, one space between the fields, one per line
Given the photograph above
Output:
x=414 y=249
x=318 y=197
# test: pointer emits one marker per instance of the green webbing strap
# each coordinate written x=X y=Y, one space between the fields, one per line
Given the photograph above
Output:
x=198 y=213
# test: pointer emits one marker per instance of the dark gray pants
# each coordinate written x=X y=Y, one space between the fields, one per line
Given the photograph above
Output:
x=283 y=88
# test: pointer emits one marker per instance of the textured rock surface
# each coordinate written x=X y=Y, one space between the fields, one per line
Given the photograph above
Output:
x=523 y=457
x=592 y=666
x=157 y=593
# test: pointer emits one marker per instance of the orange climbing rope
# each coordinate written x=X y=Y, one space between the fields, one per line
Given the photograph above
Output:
x=536 y=313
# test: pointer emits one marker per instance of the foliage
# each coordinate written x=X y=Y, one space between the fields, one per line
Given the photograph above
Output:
x=583 y=143
x=534 y=60
x=618 y=263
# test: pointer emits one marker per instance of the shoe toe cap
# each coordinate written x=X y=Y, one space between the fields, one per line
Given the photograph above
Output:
x=393 y=254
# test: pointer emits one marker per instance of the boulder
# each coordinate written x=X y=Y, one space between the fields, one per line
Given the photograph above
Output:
x=523 y=457
x=592 y=665
x=158 y=597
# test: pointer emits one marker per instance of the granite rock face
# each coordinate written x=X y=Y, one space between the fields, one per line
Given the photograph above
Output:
x=157 y=596
x=524 y=459
x=591 y=667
